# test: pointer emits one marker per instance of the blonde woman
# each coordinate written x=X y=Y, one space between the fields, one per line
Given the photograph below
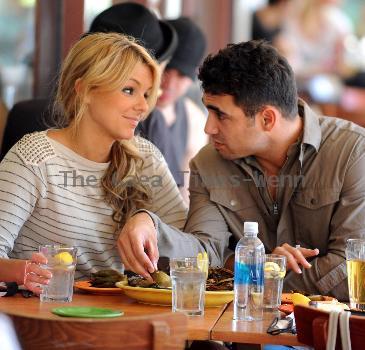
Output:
x=79 y=184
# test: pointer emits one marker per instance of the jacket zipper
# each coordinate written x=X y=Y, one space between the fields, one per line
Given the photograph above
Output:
x=275 y=208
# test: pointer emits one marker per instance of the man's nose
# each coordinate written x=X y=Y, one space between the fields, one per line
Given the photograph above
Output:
x=210 y=126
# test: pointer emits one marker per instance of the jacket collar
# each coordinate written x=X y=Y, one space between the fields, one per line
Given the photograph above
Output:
x=312 y=133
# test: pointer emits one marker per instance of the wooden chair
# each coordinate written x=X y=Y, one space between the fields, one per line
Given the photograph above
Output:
x=156 y=332
x=312 y=325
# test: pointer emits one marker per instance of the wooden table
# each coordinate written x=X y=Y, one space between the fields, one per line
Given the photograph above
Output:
x=199 y=327
x=216 y=324
x=226 y=329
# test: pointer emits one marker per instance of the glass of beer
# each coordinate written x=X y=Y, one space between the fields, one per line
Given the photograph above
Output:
x=355 y=258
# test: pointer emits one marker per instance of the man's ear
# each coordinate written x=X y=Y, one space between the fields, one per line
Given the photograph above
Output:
x=80 y=90
x=268 y=117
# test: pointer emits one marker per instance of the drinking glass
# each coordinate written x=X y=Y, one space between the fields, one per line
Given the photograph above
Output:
x=355 y=259
x=188 y=286
x=61 y=261
x=274 y=273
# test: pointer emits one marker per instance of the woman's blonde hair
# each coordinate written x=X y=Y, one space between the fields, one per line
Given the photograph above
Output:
x=105 y=61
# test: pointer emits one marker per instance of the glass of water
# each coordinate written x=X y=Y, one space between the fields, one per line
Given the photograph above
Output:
x=274 y=273
x=188 y=286
x=61 y=261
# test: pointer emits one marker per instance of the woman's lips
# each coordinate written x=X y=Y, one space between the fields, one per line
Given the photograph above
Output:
x=134 y=122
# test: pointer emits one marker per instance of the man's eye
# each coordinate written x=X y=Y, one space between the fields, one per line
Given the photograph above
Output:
x=128 y=90
x=220 y=116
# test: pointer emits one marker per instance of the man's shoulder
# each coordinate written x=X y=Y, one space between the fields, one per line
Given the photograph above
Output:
x=338 y=131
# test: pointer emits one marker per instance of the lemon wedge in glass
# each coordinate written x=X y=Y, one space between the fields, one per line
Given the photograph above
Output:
x=203 y=263
x=64 y=258
x=257 y=298
x=272 y=270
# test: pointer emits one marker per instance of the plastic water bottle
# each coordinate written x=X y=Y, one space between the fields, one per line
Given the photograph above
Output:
x=249 y=275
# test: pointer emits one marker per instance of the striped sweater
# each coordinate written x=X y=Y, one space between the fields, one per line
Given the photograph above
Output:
x=50 y=194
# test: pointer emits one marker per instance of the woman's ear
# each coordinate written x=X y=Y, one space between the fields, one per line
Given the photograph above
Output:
x=80 y=90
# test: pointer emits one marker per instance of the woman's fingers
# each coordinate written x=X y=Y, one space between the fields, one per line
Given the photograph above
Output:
x=35 y=269
x=34 y=275
x=39 y=258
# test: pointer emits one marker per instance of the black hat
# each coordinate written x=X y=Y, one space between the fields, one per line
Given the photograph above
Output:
x=190 y=48
x=137 y=21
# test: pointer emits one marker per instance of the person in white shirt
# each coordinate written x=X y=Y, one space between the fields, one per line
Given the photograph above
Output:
x=77 y=185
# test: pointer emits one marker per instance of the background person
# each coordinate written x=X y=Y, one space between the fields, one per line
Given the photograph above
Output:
x=318 y=61
x=184 y=119
x=56 y=187
x=268 y=21
x=274 y=161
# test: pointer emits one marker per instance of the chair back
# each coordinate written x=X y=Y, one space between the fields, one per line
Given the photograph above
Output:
x=155 y=332
x=312 y=329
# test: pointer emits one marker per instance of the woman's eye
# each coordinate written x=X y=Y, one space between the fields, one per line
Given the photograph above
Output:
x=128 y=90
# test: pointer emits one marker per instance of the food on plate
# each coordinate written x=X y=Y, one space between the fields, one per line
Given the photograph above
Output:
x=107 y=278
x=219 y=278
x=160 y=280
x=287 y=298
x=300 y=299
x=286 y=308
x=326 y=303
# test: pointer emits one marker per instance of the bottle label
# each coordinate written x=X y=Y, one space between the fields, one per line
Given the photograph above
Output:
x=249 y=273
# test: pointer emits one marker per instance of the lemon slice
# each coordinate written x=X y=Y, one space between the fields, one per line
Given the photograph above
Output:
x=64 y=258
x=271 y=266
x=282 y=274
x=203 y=262
x=257 y=298
x=300 y=299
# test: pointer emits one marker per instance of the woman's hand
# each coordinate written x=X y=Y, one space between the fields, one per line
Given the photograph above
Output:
x=34 y=275
x=137 y=245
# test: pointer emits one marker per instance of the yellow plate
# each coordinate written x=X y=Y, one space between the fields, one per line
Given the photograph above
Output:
x=163 y=296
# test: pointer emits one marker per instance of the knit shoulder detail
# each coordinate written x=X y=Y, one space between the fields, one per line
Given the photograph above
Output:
x=147 y=148
x=35 y=148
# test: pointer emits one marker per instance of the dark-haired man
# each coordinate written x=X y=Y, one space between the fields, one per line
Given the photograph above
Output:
x=271 y=160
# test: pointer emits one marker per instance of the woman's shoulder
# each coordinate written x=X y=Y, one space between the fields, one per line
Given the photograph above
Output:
x=35 y=148
x=147 y=149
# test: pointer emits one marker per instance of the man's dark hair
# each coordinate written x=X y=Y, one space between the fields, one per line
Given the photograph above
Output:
x=255 y=74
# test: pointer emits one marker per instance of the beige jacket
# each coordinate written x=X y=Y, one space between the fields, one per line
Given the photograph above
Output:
x=321 y=203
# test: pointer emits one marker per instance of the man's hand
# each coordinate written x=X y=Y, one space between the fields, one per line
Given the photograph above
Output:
x=137 y=245
x=296 y=256
x=34 y=275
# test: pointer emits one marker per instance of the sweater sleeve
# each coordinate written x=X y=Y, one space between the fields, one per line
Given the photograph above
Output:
x=21 y=185
x=166 y=202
